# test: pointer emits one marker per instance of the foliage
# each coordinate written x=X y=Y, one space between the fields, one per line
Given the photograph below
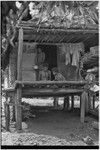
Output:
x=67 y=11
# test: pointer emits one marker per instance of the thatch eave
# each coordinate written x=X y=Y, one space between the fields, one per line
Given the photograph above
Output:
x=40 y=34
x=60 y=28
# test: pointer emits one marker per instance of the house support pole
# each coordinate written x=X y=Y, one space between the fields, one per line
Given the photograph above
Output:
x=18 y=94
x=7 y=113
x=72 y=98
x=83 y=106
x=55 y=102
x=66 y=103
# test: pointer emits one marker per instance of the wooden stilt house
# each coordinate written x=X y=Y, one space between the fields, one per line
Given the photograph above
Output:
x=21 y=76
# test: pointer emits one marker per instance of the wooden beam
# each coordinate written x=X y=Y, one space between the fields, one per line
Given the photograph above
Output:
x=54 y=30
x=18 y=95
x=64 y=37
x=76 y=83
x=49 y=92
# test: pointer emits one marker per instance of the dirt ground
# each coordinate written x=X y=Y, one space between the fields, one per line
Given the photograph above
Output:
x=52 y=127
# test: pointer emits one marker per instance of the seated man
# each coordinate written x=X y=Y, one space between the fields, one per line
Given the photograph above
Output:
x=44 y=73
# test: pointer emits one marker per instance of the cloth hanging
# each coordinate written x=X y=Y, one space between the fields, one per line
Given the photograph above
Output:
x=72 y=50
x=75 y=59
x=67 y=53
x=77 y=48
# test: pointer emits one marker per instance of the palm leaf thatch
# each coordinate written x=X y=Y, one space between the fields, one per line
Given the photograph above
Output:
x=69 y=14
x=56 y=9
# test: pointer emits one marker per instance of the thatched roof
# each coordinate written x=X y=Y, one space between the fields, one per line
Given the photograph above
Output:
x=55 y=25
x=62 y=22
x=51 y=34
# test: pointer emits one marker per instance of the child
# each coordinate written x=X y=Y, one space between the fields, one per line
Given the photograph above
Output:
x=44 y=74
x=58 y=76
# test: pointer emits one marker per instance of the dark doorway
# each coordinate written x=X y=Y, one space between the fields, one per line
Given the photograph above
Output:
x=50 y=55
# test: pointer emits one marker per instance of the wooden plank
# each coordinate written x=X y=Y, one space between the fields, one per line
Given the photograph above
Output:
x=82 y=116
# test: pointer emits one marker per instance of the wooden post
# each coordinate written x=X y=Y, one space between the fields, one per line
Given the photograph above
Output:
x=20 y=52
x=18 y=94
x=7 y=113
x=7 y=116
x=56 y=102
x=82 y=116
x=80 y=102
x=13 y=111
x=13 y=119
x=94 y=97
x=18 y=97
x=66 y=103
x=86 y=103
x=72 y=98
x=89 y=101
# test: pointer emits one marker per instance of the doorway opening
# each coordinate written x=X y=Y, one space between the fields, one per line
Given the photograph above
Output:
x=50 y=56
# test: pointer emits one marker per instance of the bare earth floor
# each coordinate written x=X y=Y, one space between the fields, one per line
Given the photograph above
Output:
x=52 y=127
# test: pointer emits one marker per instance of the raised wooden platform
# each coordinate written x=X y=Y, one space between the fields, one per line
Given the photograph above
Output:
x=50 y=88
x=38 y=89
